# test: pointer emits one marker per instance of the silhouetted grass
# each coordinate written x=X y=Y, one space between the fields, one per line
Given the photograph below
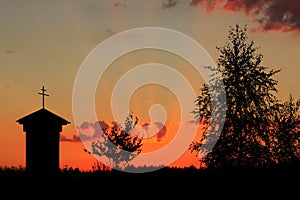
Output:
x=168 y=181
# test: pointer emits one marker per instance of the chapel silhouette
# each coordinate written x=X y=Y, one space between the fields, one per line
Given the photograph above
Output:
x=42 y=129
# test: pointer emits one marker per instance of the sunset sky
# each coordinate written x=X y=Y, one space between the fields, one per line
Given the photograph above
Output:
x=46 y=42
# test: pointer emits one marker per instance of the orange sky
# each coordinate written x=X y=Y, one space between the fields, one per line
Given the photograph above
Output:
x=45 y=43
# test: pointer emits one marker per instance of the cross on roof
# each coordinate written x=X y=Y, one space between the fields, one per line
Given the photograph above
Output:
x=43 y=95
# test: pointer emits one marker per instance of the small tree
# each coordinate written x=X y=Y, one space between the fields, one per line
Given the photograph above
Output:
x=249 y=86
x=286 y=132
x=119 y=145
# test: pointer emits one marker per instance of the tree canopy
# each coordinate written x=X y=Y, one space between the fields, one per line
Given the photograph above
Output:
x=118 y=144
x=249 y=135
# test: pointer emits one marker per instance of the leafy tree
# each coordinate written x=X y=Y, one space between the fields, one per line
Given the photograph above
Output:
x=250 y=87
x=119 y=145
x=286 y=132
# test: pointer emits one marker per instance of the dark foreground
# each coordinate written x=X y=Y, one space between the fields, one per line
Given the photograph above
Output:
x=164 y=183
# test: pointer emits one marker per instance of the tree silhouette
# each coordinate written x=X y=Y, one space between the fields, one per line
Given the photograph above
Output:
x=249 y=86
x=119 y=145
x=286 y=132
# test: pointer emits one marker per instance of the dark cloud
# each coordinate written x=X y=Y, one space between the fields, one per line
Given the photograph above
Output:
x=169 y=4
x=270 y=15
x=247 y=6
x=282 y=15
x=85 y=125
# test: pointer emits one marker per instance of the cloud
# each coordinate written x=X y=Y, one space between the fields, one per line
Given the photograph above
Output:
x=7 y=85
x=282 y=15
x=99 y=126
x=120 y=5
x=194 y=122
x=86 y=129
x=9 y=52
x=64 y=138
x=156 y=129
x=209 y=5
x=276 y=15
x=89 y=130
x=270 y=15
x=247 y=6
x=162 y=131
x=169 y=4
